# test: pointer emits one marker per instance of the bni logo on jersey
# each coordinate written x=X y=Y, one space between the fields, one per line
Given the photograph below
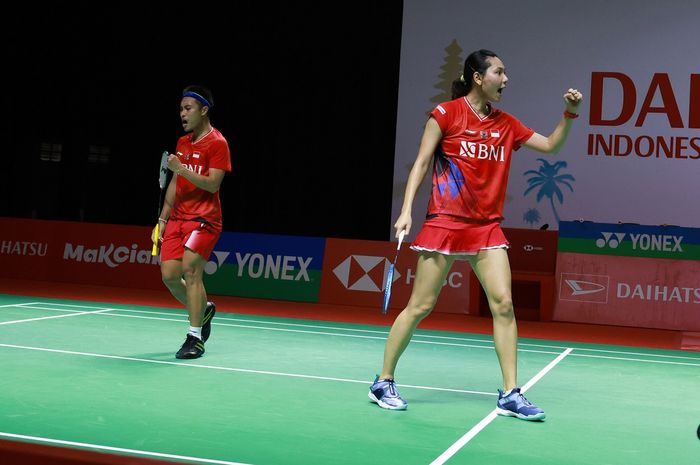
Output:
x=591 y=288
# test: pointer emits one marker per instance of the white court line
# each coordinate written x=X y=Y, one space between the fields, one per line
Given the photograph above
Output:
x=469 y=435
x=96 y=312
x=117 y=449
x=323 y=333
x=627 y=359
x=19 y=305
x=237 y=370
x=221 y=316
x=384 y=333
x=607 y=351
x=71 y=305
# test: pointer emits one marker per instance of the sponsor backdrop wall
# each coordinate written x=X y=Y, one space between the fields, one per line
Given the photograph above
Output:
x=296 y=268
x=62 y=251
x=630 y=275
x=266 y=266
x=608 y=273
x=632 y=156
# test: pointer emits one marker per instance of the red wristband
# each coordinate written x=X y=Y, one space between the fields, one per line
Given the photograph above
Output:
x=569 y=115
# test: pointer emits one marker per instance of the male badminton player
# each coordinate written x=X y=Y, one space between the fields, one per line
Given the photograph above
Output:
x=471 y=143
x=190 y=220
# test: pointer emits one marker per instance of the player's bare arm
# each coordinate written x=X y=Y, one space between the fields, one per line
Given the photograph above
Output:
x=554 y=142
x=429 y=142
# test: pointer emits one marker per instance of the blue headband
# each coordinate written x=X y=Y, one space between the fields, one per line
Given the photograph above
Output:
x=198 y=98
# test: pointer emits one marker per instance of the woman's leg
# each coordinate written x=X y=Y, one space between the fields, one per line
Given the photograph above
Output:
x=431 y=272
x=493 y=270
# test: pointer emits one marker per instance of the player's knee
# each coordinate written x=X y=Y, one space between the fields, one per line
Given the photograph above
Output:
x=170 y=278
x=502 y=305
x=420 y=309
x=191 y=274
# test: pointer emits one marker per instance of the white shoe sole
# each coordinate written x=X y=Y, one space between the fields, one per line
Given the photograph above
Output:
x=379 y=402
x=508 y=413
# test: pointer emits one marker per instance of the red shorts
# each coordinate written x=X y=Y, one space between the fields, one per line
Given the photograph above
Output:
x=453 y=236
x=197 y=236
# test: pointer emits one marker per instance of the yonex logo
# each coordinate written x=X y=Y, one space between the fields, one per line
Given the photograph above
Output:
x=212 y=266
x=609 y=240
x=364 y=273
x=643 y=242
x=268 y=266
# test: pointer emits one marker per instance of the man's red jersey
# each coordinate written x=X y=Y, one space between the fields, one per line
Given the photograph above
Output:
x=211 y=151
x=470 y=169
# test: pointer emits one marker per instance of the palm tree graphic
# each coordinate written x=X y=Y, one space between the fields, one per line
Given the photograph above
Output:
x=531 y=216
x=547 y=180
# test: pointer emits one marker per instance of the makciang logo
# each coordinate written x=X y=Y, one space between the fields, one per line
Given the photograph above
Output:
x=109 y=255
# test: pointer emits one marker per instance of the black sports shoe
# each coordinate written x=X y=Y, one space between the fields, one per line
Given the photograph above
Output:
x=192 y=348
x=209 y=312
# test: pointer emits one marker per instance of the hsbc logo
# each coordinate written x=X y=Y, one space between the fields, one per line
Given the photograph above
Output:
x=364 y=273
x=481 y=151
x=584 y=288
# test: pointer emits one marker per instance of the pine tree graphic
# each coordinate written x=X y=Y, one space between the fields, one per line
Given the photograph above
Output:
x=451 y=70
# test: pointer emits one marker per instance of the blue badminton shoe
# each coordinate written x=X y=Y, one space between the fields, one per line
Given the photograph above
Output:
x=383 y=392
x=516 y=405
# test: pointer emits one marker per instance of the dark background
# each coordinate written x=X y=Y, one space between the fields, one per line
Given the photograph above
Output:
x=305 y=94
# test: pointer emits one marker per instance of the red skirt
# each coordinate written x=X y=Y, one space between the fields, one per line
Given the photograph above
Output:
x=453 y=236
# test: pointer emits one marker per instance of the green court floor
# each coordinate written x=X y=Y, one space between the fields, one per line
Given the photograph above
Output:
x=273 y=391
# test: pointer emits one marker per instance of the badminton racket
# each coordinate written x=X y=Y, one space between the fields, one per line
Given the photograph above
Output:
x=390 y=275
x=162 y=175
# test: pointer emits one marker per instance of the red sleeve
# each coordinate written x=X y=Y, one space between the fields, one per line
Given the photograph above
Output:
x=442 y=117
x=521 y=133
x=220 y=157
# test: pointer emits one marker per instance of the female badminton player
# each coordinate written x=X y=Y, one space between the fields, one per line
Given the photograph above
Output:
x=471 y=143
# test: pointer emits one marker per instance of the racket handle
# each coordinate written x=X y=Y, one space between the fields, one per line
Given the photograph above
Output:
x=156 y=233
x=401 y=236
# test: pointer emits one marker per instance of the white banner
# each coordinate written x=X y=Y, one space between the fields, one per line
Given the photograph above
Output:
x=634 y=154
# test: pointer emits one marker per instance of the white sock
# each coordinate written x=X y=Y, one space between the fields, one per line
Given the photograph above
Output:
x=196 y=332
x=505 y=394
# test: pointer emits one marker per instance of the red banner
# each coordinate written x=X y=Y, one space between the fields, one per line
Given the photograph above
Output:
x=628 y=291
x=532 y=250
x=85 y=253
x=354 y=273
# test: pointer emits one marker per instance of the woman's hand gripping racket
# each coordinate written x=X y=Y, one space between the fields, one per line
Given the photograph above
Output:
x=162 y=175
x=390 y=275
